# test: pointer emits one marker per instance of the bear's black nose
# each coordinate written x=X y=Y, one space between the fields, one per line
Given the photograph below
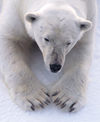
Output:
x=55 y=67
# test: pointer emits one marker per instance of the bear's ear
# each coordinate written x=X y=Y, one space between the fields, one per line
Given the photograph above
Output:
x=30 y=17
x=85 y=25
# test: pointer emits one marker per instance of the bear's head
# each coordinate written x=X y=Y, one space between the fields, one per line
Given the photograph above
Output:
x=56 y=30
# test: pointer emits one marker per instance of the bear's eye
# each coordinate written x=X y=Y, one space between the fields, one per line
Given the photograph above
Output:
x=68 y=43
x=47 y=40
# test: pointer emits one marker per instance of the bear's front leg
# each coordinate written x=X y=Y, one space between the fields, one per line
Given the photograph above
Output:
x=69 y=93
x=24 y=88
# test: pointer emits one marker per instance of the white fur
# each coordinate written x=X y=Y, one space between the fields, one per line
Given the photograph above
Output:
x=60 y=21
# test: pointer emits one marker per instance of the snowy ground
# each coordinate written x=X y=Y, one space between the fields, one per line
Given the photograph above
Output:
x=9 y=112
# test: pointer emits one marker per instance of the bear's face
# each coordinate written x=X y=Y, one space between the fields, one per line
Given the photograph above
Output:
x=56 y=31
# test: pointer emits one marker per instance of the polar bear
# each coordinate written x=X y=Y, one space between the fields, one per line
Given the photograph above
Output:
x=64 y=31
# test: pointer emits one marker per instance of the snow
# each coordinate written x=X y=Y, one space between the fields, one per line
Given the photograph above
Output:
x=9 y=112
